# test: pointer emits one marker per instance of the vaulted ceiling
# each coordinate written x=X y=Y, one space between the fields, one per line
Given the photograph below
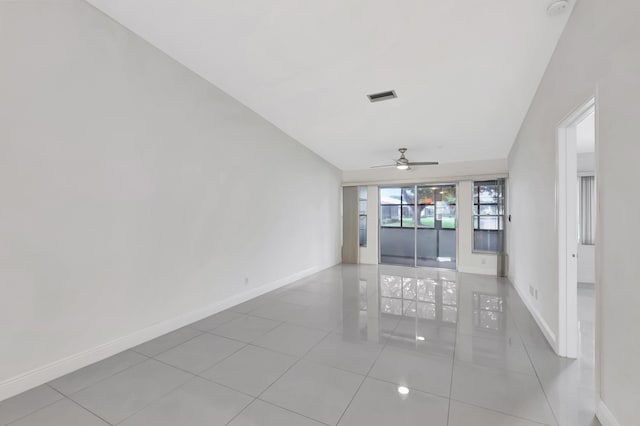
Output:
x=464 y=71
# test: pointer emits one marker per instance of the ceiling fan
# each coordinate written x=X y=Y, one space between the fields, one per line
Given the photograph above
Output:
x=403 y=164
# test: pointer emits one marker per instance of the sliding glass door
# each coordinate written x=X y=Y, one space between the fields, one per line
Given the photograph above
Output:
x=436 y=233
x=418 y=225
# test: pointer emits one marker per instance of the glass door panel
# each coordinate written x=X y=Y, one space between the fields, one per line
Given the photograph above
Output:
x=436 y=229
x=397 y=230
x=418 y=226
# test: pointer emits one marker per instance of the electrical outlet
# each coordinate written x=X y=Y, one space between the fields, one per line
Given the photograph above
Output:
x=246 y=281
x=483 y=261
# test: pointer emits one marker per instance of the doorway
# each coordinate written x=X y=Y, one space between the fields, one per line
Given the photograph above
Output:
x=418 y=225
x=576 y=219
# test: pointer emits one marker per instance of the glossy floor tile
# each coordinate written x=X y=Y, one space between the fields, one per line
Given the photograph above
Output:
x=24 y=404
x=343 y=352
x=350 y=345
x=80 y=379
x=200 y=353
x=291 y=339
x=314 y=390
x=250 y=370
x=216 y=320
x=501 y=390
x=246 y=329
x=461 y=414
x=414 y=369
x=197 y=403
x=118 y=397
x=378 y=403
x=61 y=413
x=261 y=413
x=166 y=342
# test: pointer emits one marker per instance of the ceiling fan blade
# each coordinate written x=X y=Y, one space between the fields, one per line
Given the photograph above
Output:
x=423 y=163
x=381 y=167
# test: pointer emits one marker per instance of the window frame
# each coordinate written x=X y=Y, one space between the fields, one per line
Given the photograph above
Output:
x=363 y=215
x=500 y=216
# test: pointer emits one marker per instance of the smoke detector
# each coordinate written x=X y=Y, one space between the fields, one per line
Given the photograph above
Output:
x=556 y=7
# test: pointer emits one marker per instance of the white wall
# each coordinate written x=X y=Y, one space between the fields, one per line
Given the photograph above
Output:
x=369 y=254
x=598 y=52
x=468 y=261
x=136 y=197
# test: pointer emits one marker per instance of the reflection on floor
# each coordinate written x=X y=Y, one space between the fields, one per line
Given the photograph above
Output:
x=351 y=345
x=446 y=262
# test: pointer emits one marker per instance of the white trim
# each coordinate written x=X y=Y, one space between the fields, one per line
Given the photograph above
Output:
x=477 y=270
x=542 y=324
x=566 y=229
x=425 y=180
x=605 y=415
x=51 y=371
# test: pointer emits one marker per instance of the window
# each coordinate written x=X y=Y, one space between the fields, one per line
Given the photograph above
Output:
x=396 y=207
x=488 y=215
x=587 y=211
x=444 y=206
x=362 y=210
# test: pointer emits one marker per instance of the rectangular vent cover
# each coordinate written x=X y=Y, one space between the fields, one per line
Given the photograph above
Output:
x=382 y=96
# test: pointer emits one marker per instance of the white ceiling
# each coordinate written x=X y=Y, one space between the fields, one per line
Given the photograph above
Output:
x=465 y=71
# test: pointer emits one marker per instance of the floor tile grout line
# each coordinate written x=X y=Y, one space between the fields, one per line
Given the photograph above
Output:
x=453 y=361
x=213 y=328
x=495 y=370
x=293 y=365
x=200 y=333
x=366 y=376
x=292 y=411
x=239 y=412
x=211 y=333
x=69 y=397
x=206 y=369
x=544 y=392
x=493 y=410
x=88 y=410
x=37 y=409
x=65 y=396
x=150 y=403
x=147 y=358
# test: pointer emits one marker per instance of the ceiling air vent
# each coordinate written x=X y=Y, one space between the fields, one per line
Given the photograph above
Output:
x=382 y=96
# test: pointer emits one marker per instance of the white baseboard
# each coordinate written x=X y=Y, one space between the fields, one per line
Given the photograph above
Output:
x=546 y=330
x=605 y=415
x=476 y=270
x=38 y=376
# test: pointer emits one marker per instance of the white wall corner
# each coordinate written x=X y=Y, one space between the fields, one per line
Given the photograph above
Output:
x=542 y=324
x=605 y=415
x=36 y=377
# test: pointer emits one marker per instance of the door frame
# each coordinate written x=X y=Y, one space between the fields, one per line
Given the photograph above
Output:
x=567 y=228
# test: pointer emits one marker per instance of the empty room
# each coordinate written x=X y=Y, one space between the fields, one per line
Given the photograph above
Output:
x=353 y=213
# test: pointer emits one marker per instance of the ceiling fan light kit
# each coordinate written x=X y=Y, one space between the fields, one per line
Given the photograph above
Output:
x=404 y=164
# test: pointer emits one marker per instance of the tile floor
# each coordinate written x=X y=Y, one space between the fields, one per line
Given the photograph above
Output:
x=335 y=349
